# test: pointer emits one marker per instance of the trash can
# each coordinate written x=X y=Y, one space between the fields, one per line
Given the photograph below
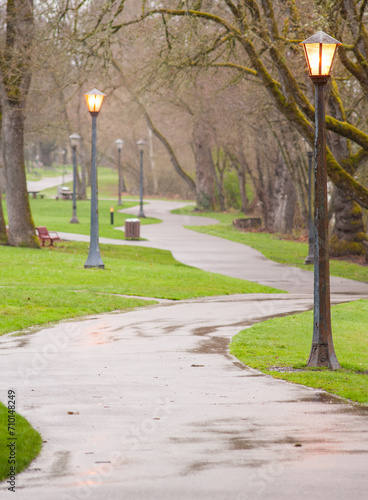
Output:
x=132 y=229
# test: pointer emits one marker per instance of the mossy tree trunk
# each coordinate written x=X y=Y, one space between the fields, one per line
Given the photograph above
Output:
x=205 y=178
x=239 y=163
x=15 y=64
x=284 y=199
x=349 y=231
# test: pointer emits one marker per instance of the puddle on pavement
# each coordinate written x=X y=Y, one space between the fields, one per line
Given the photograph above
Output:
x=60 y=464
x=340 y=405
x=240 y=443
x=204 y=330
x=212 y=345
x=173 y=328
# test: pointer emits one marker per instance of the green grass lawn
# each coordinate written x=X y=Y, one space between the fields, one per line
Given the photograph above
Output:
x=28 y=443
x=107 y=184
x=286 y=342
x=39 y=173
x=39 y=286
x=55 y=215
x=291 y=253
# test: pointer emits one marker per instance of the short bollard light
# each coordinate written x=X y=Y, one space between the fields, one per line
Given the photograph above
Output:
x=320 y=50
x=112 y=215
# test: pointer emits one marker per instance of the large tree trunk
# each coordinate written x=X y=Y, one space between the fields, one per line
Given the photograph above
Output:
x=15 y=80
x=284 y=199
x=349 y=231
x=21 y=227
x=205 y=179
x=243 y=189
x=240 y=165
x=46 y=150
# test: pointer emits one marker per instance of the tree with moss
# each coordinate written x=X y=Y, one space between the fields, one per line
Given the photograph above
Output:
x=258 y=40
x=15 y=79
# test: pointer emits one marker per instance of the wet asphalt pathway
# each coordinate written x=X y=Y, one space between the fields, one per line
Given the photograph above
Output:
x=219 y=255
x=150 y=405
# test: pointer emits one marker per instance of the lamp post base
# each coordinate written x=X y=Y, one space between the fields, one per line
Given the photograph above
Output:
x=94 y=261
x=309 y=260
x=74 y=220
x=322 y=355
x=141 y=214
x=89 y=266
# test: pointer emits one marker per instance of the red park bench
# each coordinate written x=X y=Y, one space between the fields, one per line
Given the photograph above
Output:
x=45 y=235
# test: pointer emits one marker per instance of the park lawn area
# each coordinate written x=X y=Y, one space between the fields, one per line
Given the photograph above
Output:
x=56 y=214
x=286 y=342
x=51 y=284
x=28 y=443
x=289 y=252
x=39 y=173
x=107 y=184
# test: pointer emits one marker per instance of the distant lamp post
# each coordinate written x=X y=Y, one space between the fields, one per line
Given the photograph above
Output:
x=74 y=141
x=310 y=258
x=119 y=145
x=141 y=144
x=94 y=100
x=320 y=50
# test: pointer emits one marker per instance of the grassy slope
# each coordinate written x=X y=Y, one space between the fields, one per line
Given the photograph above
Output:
x=42 y=285
x=28 y=443
x=55 y=215
x=286 y=342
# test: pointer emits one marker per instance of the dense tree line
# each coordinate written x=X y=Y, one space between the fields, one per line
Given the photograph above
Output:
x=233 y=70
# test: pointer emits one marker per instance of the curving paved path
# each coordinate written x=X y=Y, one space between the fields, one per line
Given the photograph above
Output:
x=219 y=255
x=149 y=404
x=48 y=182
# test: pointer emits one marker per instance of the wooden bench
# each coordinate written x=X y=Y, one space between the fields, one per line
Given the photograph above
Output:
x=45 y=235
x=34 y=194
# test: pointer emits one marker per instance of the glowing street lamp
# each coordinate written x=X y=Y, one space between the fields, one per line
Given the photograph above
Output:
x=119 y=144
x=74 y=141
x=320 y=50
x=94 y=100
